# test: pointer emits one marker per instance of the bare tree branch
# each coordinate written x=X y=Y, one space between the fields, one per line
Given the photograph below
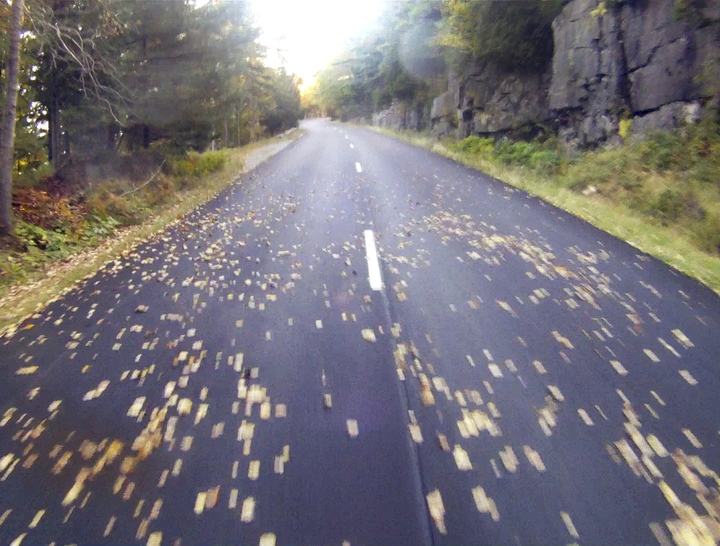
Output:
x=69 y=44
x=144 y=183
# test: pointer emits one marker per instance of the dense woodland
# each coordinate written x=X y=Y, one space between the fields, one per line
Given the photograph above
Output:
x=102 y=81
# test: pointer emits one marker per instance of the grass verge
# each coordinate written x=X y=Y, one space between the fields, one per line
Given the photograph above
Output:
x=669 y=211
x=31 y=285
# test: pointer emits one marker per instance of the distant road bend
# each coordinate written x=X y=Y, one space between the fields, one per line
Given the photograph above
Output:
x=364 y=343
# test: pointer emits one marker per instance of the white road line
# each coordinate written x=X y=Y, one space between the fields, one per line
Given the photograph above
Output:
x=372 y=260
x=358 y=168
x=352 y=146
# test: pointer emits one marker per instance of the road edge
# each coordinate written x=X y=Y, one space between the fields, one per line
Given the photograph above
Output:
x=668 y=256
x=25 y=300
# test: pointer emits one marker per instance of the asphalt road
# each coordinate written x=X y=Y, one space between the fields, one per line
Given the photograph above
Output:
x=519 y=377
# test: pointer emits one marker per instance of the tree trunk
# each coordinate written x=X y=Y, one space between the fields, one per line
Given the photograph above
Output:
x=237 y=109
x=7 y=132
x=54 y=130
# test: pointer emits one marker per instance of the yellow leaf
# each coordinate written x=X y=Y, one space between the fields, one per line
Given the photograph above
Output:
x=247 y=512
x=437 y=510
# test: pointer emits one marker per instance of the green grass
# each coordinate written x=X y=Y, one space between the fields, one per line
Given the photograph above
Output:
x=661 y=195
x=42 y=263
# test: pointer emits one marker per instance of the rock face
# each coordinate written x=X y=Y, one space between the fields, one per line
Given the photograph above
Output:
x=444 y=111
x=494 y=101
x=486 y=100
x=586 y=91
x=637 y=61
x=633 y=60
x=399 y=116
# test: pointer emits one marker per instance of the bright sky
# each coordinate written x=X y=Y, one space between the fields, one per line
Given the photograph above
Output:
x=310 y=33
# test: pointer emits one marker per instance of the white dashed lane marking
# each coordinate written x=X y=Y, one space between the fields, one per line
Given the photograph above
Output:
x=372 y=260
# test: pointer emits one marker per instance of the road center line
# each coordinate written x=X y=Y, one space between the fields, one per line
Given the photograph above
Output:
x=372 y=260
x=358 y=168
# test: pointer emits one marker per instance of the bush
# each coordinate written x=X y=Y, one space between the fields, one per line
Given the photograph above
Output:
x=661 y=150
x=195 y=165
x=96 y=228
x=508 y=34
x=609 y=169
x=546 y=162
x=46 y=211
x=707 y=234
x=668 y=206
x=474 y=145
x=56 y=218
x=160 y=191
x=32 y=176
x=514 y=153
x=127 y=210
x=32 y=236
x=541 y=157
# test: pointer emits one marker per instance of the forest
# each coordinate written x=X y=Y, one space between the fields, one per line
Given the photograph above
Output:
x=112 y=92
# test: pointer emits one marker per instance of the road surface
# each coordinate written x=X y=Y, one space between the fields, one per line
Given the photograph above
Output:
x=361 y=342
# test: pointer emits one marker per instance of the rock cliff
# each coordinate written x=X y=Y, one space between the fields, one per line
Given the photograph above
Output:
x=400 y=115
x=638 y=61
x=634 y=60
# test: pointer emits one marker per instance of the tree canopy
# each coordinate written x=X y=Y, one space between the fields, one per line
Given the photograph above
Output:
x=104 y=77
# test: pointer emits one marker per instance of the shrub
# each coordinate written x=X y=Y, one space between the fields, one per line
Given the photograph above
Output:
x=161 y=190
x=661 y=150
x=588 y=172
x=707 y=234
x=46 y=211
x=546 y=162
x=514 y=153
x=541 y=157
x=127 y=210
x=32 y=236
x=195 y=165
x=11 y=269
x=96 y=228
x=474 y=145
x=668 y=206
x=510 y=34
x=32 y=176
x=610 y=169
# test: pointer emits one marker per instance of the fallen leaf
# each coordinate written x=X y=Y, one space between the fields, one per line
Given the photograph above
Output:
x=268 y=539
x=437 y=510
x=247 y=512
x=462 y=459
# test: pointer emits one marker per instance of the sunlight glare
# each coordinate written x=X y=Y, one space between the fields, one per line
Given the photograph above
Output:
x=305 y=36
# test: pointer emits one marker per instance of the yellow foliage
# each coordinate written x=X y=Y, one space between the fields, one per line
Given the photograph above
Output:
x=600 y=10
x=624 y=128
